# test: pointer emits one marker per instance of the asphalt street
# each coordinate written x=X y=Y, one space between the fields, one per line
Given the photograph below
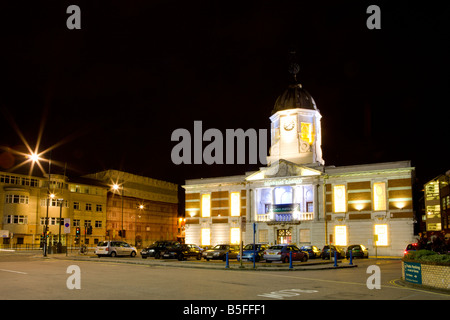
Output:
x=32 y=277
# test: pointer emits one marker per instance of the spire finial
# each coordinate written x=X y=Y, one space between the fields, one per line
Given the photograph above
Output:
x=294 y=68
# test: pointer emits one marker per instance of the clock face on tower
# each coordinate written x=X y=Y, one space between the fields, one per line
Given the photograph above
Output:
x=289 y=125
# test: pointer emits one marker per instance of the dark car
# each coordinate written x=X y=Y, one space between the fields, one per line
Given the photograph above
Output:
x=411 y=247
x=281 y=252
x=157 y=249
x=340 y=253
x=358 y=251
x=248 y=252
x=183 y=251
x=219 y=252
x=312 y=251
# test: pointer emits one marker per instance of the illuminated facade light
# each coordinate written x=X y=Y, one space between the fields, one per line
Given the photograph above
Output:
x=206 y=237
x=379 y=196
x=235 y=199
x=339 y=198
x=206 y=205
x=381 y=232
x=235 y=235
x=340 y=234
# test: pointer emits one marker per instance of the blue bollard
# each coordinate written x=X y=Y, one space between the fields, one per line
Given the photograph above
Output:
x=351 y=258
x=335 y=258
x=227 y=265
x=290 y=260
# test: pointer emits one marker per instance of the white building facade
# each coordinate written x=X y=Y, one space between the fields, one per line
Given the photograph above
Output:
x=297 y=199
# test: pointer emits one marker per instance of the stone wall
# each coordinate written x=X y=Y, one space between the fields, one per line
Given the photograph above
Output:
x=435 y=276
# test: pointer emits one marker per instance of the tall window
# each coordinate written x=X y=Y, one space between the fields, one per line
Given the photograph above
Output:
x=379 y=196
x=340 y=234
x=206 y=237
x=235 y=235
x=381 y=232
x=306 y=132
x=235 y=204
x=206 y=205
x=339 y=198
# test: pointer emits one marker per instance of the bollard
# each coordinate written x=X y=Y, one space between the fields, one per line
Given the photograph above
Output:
x=351 y=258
x=227 y=265
x=290 y=260
x=335 y=258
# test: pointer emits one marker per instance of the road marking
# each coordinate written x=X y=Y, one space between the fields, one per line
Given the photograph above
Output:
x=281 y=294
x=394 y=282
x=13 y=271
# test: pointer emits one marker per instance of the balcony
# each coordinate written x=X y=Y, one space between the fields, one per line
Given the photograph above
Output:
x=294 y=218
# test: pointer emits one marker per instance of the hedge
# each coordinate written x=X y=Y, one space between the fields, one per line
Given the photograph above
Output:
x=429 y=257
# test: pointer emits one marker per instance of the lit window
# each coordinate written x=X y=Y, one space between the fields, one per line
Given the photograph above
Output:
x=206 y=205
x=235 y=204
x=306 y=132
x=339 y=198
x=235 y=235
x=379 y=196
x=381 y=232
x=206 y=237
x=340 y=234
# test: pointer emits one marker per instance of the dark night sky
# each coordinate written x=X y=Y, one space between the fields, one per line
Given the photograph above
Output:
x=138 y=70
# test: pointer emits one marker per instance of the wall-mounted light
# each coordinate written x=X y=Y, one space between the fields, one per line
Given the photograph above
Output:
x=400 y=204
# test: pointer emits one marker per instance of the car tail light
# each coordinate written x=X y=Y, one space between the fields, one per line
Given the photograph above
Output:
x=279 y=252
x=107 y=249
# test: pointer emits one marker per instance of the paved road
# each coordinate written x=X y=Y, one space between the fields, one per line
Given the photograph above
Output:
x=27 y=276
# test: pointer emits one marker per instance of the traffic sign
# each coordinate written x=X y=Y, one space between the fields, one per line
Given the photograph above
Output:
x=66 y=225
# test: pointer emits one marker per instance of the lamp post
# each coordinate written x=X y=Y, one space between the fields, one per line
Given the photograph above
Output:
x=117 y=187
x=141 y=207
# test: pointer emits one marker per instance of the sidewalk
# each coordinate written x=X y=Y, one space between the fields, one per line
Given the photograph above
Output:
x=312 y=264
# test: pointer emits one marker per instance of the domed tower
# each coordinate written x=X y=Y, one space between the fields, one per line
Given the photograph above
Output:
x=295 y=129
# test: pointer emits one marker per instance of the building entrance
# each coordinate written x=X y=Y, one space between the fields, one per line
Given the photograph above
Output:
x=284 y=236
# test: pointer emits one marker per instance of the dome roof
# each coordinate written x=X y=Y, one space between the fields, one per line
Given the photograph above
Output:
x=294 y=97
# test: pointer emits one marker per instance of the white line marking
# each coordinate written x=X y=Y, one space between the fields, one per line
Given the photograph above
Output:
x=13 y=271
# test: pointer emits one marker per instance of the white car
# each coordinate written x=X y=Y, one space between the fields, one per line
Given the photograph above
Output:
x=115 y=248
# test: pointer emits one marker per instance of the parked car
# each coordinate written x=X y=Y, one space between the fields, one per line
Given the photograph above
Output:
x=281 y=253
x=326 y=252
x=358 y=251
x=157 y=249
x=411 y=247
x=219 y=252
x=115 y=248
x=248 y=252
x=183 y=251
x=313 y=251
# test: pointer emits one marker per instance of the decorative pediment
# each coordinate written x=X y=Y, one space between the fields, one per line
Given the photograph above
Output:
x=283 y=168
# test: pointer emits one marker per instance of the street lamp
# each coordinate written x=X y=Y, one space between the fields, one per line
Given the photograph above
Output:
x=141 y=207
x=117 y=187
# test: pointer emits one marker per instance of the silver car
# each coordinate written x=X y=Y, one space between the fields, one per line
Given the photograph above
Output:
x=114 y=248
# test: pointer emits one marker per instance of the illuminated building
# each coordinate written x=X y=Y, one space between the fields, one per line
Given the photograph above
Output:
x=297 y=199
x=141 y=210
x=437 y=204
x=149 y=207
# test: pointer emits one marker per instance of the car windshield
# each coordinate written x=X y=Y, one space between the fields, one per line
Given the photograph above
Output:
x=220 y=247
x=102 y=244
x=353 y=247
x=306 y=247
x=250 y=247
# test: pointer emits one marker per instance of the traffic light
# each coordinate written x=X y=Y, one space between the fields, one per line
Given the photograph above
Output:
x=77 y=232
